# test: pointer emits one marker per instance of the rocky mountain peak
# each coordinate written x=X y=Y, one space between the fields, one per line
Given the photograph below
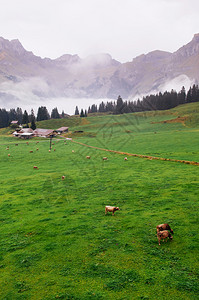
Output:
x=17 y=47
x=192 y=48
x=196 y=37
x=12 y=47
x=68 y=58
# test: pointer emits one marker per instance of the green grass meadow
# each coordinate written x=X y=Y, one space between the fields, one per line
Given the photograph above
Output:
x=55 y=240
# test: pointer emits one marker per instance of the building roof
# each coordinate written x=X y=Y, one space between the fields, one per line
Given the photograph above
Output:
x=43 y=132
x=26 y=130
x=62 y=129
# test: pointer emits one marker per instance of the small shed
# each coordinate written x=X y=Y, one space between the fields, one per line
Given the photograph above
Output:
x=62 y=130
x=14 y=123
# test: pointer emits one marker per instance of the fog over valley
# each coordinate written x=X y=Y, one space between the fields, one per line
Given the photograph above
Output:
x=35 y=92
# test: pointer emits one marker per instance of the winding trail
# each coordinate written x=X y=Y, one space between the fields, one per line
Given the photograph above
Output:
x=195 y=163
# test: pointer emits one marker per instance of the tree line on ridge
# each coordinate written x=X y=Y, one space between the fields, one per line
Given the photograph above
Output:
x=159 y=101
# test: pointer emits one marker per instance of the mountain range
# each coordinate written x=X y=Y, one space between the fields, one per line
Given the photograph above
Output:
x=97 y=76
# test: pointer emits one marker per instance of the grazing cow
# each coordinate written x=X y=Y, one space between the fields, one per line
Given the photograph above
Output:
x=105 y=158
x=63 y=177
x=54 y=149
x=125 y=158
x=27 y=143
x=162 y=227
x=31 y=151
x=49 y=150
x=163 y=235
x=73 y=151
x=9 y=155
x=7 y=148
x=16 y=144
x=88 y=157
x=37 y=149
x=35 y=167
x=111 y=209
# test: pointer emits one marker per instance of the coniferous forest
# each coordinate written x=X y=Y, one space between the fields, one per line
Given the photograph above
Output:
x=159 y=101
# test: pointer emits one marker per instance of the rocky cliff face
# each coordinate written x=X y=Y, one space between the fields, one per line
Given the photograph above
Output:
x=97 y=76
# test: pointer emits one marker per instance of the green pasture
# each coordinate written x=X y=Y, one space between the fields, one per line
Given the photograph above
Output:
x=55 y=240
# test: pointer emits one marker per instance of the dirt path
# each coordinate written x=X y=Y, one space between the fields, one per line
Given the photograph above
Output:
x=139 y=155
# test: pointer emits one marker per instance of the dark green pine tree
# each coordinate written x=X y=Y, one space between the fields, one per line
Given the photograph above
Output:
x=33 y=125
x=189 y=96
x=19 y=115
x=76 y=111
x=82 y=113
x=182 y=96
x=12 y=115
x=4 y=118
x=25 y=118
x=42 y=114
x=119 y=106
x=32 y=115
x=55 y=114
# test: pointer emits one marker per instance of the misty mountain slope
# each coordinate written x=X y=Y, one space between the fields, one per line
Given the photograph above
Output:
x=97 y=76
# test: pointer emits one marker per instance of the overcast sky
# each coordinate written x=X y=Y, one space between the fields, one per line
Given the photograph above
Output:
x=122 y=28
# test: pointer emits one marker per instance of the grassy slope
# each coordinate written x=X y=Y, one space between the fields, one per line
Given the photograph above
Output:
x=144 y=133
x=56 y=241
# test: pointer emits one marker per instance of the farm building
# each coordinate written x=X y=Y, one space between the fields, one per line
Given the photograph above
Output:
x=40 y=132
x=24 y=133
x=62 y=130
x=14 y=123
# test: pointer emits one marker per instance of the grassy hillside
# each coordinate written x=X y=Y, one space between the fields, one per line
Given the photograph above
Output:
x=57 y=243
x=168 y=134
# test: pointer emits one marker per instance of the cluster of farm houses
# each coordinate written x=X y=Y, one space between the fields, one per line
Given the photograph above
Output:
x=27 y=133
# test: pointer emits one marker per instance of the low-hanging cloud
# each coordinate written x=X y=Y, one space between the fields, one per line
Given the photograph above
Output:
x=177 y=83
x=34 y=92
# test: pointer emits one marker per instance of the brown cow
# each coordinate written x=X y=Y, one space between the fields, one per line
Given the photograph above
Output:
x=111 y=209
x=35 y=167
x=162 y=227
x=163 y=235
x=88 y=157
x=63 y=177
x=105 y=158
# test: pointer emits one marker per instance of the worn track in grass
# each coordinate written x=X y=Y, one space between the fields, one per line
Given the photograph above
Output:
x=140 y=155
